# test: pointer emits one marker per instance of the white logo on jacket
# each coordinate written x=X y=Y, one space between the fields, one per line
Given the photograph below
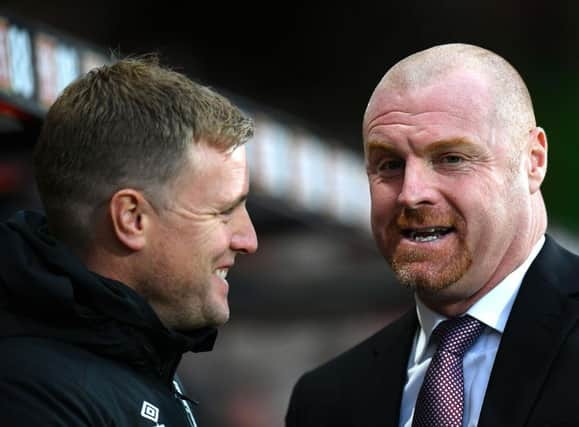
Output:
x=150 y=411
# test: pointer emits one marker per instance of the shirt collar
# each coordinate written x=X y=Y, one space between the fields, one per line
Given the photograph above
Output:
x=493 y=309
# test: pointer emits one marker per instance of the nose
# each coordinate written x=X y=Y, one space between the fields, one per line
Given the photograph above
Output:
x=417 y=185
x=244 y=239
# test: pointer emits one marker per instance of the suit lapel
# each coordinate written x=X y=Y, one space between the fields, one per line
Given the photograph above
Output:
x=381 y=405
x=539 y=322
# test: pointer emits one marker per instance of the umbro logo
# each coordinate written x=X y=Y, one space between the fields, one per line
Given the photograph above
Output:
x=151 y=412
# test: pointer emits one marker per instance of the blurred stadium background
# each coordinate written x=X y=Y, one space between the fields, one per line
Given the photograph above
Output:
x=304 y=72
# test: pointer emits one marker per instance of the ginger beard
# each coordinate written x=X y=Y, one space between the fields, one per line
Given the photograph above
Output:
x=426 y=248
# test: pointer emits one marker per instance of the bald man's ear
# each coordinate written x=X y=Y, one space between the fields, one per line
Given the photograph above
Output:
x=129 y=212
x=537 y=168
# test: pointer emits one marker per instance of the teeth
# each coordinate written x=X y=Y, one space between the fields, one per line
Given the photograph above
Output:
x=427 y=234
x=424 y=238
x=222 y=272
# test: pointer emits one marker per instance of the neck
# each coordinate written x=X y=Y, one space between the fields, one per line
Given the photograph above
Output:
x=452 y=301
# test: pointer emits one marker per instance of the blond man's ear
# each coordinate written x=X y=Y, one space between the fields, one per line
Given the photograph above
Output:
x=130 y=215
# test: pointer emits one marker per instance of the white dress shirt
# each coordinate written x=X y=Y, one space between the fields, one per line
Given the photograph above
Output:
x=493 y=310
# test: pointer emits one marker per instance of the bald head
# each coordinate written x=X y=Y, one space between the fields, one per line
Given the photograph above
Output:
x=508 y=94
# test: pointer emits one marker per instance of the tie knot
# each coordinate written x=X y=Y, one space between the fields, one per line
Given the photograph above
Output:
x=457 y=334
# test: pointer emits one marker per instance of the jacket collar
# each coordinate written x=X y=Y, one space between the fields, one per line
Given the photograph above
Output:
x=46 y=291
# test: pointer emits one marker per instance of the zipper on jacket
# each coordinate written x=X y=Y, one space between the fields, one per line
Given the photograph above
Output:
x=185 y=402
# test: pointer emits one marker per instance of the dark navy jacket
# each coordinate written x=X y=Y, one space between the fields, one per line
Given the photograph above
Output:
x=78 y=349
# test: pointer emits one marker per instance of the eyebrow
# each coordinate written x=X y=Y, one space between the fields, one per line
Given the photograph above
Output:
x=436 y=146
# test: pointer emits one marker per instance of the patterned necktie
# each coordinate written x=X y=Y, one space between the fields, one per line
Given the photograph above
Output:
x=440 y=401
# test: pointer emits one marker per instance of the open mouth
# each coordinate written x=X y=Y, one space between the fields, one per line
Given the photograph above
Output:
x=429 y=234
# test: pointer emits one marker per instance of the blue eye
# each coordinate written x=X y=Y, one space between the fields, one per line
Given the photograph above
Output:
x=452 y=159
x=389 y=168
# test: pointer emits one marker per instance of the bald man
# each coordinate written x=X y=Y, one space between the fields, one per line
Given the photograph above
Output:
x=455 y=163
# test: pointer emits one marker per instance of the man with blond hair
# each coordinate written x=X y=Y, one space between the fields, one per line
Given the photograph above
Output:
x=143 y=178
x=455 y=163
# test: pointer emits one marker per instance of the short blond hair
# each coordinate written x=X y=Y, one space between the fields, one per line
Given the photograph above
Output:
x=128 y=124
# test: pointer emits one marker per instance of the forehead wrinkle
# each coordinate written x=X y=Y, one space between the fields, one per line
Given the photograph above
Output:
x=370 y=123
x=404 y=119
x=399 y=116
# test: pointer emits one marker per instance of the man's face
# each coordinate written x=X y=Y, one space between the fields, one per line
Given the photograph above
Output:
x=196 y=238
x=447 y=196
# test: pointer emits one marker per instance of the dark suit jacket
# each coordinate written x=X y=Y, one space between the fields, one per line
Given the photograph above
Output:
x=534 y=380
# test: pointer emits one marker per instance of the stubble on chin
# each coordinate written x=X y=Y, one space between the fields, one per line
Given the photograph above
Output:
x=430 y=273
